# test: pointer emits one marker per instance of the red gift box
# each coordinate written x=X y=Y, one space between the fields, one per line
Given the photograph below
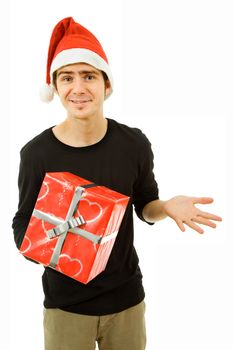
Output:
x=74 y=225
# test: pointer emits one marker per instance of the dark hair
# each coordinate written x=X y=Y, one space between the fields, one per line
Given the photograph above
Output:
x=55 y=79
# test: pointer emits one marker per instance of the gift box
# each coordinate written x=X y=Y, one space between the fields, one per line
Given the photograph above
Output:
x=74 y=225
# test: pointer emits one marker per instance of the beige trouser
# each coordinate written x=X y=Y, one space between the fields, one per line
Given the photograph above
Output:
x=121 y=331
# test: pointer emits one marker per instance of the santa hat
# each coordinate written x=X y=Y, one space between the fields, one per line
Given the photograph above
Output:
x=72 y=43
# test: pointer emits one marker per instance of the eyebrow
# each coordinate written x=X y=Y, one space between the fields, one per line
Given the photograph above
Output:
x=82 y=72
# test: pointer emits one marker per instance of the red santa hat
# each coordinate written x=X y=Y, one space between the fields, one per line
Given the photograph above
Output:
x=72 y=43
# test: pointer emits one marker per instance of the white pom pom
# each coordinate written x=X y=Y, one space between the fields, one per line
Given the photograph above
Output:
x=47 y=93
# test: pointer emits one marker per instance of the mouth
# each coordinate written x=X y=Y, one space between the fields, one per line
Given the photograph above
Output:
x=79 y=102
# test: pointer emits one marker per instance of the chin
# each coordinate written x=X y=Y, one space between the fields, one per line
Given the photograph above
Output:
x=80 y=116
x=83 y=114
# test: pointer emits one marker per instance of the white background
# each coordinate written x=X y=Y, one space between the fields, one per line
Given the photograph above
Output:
x=172 y=66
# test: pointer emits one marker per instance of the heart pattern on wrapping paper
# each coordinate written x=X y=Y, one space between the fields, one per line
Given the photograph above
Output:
x=43 y=191
x=91 y=211
x=26 y=245
x=68 y=264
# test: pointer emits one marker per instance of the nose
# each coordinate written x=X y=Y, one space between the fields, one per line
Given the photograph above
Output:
x=78 y=86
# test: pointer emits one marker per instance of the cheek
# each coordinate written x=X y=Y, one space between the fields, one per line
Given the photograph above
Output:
x=62 y=92
x=100 y=91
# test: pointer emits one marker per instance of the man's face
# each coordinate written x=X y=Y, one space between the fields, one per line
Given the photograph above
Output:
x=82 y=90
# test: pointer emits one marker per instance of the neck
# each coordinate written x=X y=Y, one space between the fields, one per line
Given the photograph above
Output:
x=81 y=132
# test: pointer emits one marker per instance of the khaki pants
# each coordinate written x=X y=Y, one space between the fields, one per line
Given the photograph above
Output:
x=121 y=331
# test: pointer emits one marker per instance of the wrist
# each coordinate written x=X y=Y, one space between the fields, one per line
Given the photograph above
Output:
x=154 y=211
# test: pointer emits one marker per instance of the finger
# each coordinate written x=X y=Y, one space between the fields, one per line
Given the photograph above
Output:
x=204 y=221
x=202 y=200
x=195 y=227
x=209 y=216
x=180 y=225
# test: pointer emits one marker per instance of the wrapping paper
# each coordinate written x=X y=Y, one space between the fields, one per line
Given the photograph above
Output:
x=74 y=225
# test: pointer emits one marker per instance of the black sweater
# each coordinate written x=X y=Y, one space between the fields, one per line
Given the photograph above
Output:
x=122 y=161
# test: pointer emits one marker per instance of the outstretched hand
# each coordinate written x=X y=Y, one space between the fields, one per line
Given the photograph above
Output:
x=182 y=210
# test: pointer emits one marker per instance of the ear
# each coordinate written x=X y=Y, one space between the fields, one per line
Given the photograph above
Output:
x=107 y=88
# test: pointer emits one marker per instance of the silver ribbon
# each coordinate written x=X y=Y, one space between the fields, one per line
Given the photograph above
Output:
x=70 y=224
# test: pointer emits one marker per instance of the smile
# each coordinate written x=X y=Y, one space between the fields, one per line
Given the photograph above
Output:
x=79 y=102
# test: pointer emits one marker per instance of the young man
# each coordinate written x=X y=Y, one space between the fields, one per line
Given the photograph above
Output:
x=108 y=310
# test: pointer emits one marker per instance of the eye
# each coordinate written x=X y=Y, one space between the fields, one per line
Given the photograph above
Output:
x=67 y=78
x=89 y=77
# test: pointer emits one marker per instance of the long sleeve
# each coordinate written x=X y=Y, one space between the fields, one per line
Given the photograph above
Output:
x=29 y=182
x=145 y=187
